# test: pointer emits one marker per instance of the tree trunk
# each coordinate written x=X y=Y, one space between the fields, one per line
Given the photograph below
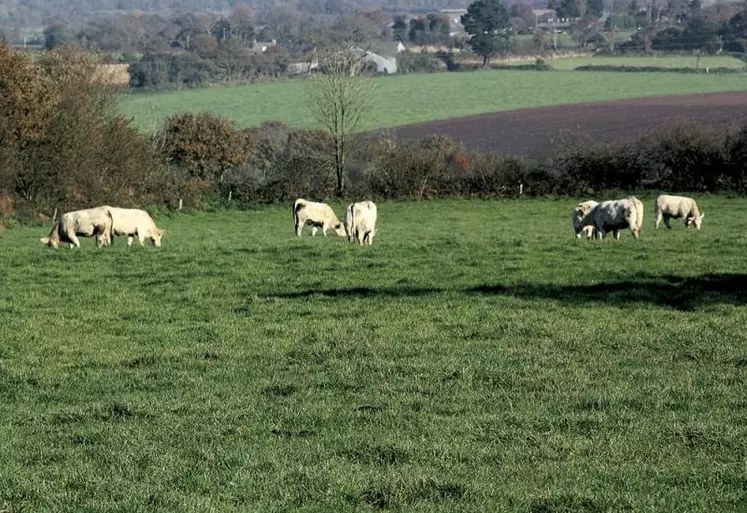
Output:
x=340 y=165
x=485 y=61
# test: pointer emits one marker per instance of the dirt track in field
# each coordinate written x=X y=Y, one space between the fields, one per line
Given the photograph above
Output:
x=533 y=132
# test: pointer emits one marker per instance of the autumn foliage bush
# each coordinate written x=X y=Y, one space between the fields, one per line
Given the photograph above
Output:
x=62 y=144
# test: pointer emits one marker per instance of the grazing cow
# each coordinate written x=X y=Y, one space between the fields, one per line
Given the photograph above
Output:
x=317 y=215
x=677 y=207
x=617 y=215
x=360 y=222
x=91 y=222
x=582 y=218
x=135 y=223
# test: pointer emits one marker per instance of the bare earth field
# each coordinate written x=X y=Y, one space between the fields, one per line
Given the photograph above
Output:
x=533 y=132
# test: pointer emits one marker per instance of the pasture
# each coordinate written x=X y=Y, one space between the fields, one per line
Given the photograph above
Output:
x=476 y=358
x=666 y=61
x=405 y=99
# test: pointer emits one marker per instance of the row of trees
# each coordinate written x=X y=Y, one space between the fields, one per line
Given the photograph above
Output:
x=63 y=145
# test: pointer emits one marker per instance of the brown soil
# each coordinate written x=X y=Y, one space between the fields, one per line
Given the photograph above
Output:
x=534 y=132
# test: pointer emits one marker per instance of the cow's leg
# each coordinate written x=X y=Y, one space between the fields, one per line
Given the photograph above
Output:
x=601 y=233
x=666 y=221
x=299 y=227
x=616 y=234
x=73 y=240
x=324 y=229
x=657 y=220
x=635 y=233
x=141 y=238
x=314 y=229
x=130 y=238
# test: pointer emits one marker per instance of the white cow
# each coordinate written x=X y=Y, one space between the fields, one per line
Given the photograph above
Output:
x=360 y=222
x=91 y=222
x=133 y=222
x=617 y=215
x=317 y=215
x=582 y=218
x=677 y=207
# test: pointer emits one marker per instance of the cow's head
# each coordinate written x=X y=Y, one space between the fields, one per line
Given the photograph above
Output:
x=50 y=241
x=157 y=235
x=340 y=230
x=577 y=219
x=696 y=221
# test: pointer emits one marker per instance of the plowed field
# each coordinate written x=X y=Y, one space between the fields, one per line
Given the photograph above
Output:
x=534 y=132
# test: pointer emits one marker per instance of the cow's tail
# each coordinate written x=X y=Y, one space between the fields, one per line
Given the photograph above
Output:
x=109 y=230
x=635 y=214
x=297 y=205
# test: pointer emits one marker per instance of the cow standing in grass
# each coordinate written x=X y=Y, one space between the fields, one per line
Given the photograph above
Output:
x=133 y=223
x=677 y=207
x=613 y=216
x=360 y=222
x=318 y=215
x=92 y=222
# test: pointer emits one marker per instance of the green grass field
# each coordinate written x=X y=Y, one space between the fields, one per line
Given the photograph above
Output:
x=712 y=61
x=476 y=358
x=416 y=98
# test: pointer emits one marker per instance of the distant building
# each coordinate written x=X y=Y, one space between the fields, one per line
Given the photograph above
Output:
x=262 y=46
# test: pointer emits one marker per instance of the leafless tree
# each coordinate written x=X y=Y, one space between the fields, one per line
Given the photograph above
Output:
x=340 y=96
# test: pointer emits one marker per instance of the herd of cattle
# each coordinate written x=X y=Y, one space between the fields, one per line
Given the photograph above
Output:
x=590 y=218
x=596 y=220
x=104 y=223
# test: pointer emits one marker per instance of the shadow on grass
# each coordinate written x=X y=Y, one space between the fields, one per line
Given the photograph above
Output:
x=677 y=292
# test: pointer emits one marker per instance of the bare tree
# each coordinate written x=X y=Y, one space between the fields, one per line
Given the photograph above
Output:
x=340 y=98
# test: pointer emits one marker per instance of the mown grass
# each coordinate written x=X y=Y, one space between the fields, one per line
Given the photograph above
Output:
x=476 y=358
x=404 y=99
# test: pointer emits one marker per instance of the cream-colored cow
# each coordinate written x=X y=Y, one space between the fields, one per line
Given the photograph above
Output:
x=91 y=222
x=318 y=215
x=134 y=222
x=360 y=222
x=677 y=207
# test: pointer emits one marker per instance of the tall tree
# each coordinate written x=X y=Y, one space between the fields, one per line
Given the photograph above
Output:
x=340 y=99
x=487 y=22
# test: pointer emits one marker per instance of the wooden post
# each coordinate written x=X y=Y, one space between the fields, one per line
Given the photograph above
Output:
x=521 y=189
x=229 y=195
x=180 y=203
